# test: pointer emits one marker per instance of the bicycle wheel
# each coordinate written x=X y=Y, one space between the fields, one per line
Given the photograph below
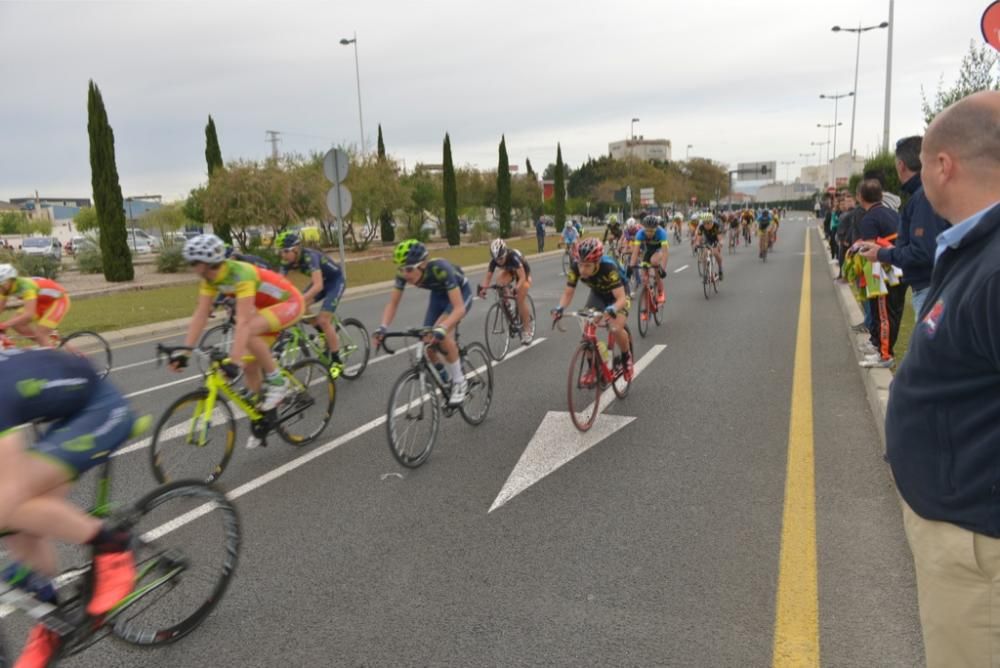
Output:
x=291 y=346
x=701 y=266
x=93 y=347
x=305 y=414
x=642 y=313
x=219 y=337
x=531 y=313
x=583 y=387
x=497 y=332
x=355 y=347
x=478 y=371
x=658 y=310
x=715 y=277
x=565 y=263
x=621 y=385
x=186 y=551
x=187 y=444
x=704 y=283
x=414 y=416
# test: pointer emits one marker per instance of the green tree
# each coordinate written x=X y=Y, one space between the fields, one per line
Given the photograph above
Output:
x=980 y=70
x=385 y=218
x=375 y=186
x=167 y=218
x=884 y=164
x=560 y=191
x=503 y=190
x=115 y=254
x=527 y=168
x=12 y=222
x=213 y=157
x=250 y=195
x=450 y=196
x=194 y=205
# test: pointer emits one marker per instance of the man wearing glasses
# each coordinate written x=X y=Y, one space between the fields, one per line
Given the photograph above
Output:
x=326 y=288
x=451 y=297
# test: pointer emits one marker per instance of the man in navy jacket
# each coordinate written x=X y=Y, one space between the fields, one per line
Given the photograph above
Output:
x=942 y=425
x=919 y=227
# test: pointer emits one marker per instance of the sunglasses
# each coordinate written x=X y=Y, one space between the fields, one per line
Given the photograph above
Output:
x=410 y=268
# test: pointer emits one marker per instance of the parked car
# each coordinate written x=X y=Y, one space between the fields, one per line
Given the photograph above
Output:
x=140 y=241
x=46 y=246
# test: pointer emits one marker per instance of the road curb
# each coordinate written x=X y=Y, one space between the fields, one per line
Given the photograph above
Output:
x=876 y=381
x=179 y=326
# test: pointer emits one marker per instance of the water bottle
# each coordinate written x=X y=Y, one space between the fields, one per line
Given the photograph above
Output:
x=442 y=372
x=603 y=349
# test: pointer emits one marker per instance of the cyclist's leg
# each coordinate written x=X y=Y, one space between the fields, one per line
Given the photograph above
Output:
x=264 y=328
x=325 y=318
x=49 y=320
x=521 y=293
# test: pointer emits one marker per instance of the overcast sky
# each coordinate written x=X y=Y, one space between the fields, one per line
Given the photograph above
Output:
x=739 y=80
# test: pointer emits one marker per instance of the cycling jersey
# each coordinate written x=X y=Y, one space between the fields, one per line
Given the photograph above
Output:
x=613 y=232
x=570 y=235
x=709 y=234
x=439 y=276
x=51 y=299
x=275 y=297
x=651 y=240
x=604 y=281
x=734 y=223
x=311 y=260
x=763 y=222
x=512 y=261
x=746 y=217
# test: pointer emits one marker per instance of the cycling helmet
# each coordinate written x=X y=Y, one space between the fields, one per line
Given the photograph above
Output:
x=588 y=250
x=409 y=252
x=287 y=240
x=650 y=221
x=498 y=248
x=678 y=217
x=7 y=272
x=612 y=219
x=206 y=248
x=630 y=221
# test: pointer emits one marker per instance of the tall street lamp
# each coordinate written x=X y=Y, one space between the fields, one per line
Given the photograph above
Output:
x=687 y=156
x=786 y=163
x=857 y=60
x=820 y=151
x=888 y=84
x=357 y=74
x=836 y=101
x=632 y=128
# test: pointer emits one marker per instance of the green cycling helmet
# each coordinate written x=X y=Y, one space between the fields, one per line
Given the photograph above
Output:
x=287 y=240
x=409 y=252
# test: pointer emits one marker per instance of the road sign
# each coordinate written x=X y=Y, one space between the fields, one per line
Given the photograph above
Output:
x=338 y=201
x=755 y=171
x=991 y=25
x=335 y=165
x=647 y=196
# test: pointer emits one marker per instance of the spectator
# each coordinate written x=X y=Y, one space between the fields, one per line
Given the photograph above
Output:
x=540 y=233
x=886 y=294
x=891 y=200
x=942 y=431
x=846 y=226
x=919 y=227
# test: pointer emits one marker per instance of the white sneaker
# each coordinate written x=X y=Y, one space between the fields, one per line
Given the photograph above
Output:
x=458 y=391
x=867 y=348
x=253 y=442
x=527 y=338
x=274 y=395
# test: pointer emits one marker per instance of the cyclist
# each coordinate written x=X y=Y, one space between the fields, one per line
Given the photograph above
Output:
x=608 y=291
x=693 y=228
x=266 y=303
x=708 y=235
x=776 y=223
x=232 y=254
x=652 y=241
x=613 y=234
x=763 y=230
x=327 y=287
x=569 y=236
x=746 y=219
x=44 y=304
x=451 y=299
x=734 y=228
x=678 y=226
x=514 y=271
x=90 y=420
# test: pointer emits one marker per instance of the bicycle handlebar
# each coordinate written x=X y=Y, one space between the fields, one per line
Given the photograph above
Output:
x=412 y=333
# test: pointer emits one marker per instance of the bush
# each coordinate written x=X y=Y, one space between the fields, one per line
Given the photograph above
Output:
x=478 y=233
x=266 y=253
x=38 y=265
x=7 y=256
x=89 y=261
x=170 y=260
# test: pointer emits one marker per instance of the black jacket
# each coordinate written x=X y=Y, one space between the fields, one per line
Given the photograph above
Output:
x=919 y=227
x=942 y=425
x=878 y=222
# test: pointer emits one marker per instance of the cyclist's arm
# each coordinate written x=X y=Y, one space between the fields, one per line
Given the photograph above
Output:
x=245 y=311
x=390 y=309
x=486 y=280
x=200 y=317
x=457 y=309
x=567 y=296
x=26 y=315
x=315 y=288
x=620 y=298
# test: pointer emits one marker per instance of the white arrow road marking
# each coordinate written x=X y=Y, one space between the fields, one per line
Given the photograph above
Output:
x=556 y=442
x=680 y=269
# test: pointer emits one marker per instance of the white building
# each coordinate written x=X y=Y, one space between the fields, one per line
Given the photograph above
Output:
x=641 y=148
x=780 y=192
x=836 y=173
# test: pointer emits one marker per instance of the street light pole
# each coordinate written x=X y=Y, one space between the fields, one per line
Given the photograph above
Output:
x=888 y=83
x=687 y=155
x=632 y=128
x=857 y=62
x=357 y=74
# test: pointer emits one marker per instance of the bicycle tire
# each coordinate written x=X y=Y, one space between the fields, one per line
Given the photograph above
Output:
x=704 y=283
x=643 y=310
x=584 y=359
x=423 y=392
x=497 y=332
x=91 y=346
x=531 y=310
x=658 y=311
x=162 y=434
x=622 y=392
x=478 y=371
x=701 y=267
x=306 y=373
x=565 y=263
x=356 y=353
x=292 y=345
x=152 y=557
x=218 y=336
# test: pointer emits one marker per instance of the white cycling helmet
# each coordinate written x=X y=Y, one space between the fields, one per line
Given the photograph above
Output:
x=206 y=248
x=7 y=272
x=498 y=248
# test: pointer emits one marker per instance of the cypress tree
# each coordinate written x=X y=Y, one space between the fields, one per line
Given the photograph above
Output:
x=503 y=190
x=213 y=156
x=115 y=254
x=560 y=191
x=450 y=196
x=385 y=218
x=527 y=163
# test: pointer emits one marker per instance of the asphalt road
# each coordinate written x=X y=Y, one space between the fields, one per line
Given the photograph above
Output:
x=656 y=546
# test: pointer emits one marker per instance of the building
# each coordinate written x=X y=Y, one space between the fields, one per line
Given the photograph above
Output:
x=642 y=148
x=836 y=172
x=781 y=192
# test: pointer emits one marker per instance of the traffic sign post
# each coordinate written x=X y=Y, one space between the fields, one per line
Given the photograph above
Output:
x=338 y=200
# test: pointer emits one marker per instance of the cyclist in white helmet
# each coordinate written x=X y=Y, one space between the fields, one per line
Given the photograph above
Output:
x=514 y=271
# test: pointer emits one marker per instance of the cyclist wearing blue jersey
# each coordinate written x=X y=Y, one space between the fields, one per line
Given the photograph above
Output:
x=233 y=254
x=652 y=242
x=89 y=420
x=451 y=298
x=327 y=286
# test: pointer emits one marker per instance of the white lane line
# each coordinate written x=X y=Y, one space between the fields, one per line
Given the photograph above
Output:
x=298 y=462
x=679 y=270
x=131 y=366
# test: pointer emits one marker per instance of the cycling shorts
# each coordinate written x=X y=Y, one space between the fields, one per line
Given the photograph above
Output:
x=88 y=437
x=440 y=304
x=711 y=243
x=602 y=300
x=648 y=254
x=53 y=313
x=331 y=294
x=283 y=315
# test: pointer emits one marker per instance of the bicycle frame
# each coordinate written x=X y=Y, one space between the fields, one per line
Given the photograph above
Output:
x=590 y=321
x=216 y=383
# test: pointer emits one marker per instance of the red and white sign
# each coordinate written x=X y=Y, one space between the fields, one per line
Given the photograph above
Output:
x=991 y=25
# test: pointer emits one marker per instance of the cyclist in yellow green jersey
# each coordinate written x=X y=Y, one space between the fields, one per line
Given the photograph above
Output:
x=45 y=304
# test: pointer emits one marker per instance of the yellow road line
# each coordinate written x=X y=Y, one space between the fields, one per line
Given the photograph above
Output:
x=796 y=619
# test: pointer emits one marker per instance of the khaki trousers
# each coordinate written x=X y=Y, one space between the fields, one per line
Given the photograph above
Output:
x=958 y=588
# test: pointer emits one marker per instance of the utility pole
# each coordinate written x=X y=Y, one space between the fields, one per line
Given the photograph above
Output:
x=888 y=82
x=273 y=137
